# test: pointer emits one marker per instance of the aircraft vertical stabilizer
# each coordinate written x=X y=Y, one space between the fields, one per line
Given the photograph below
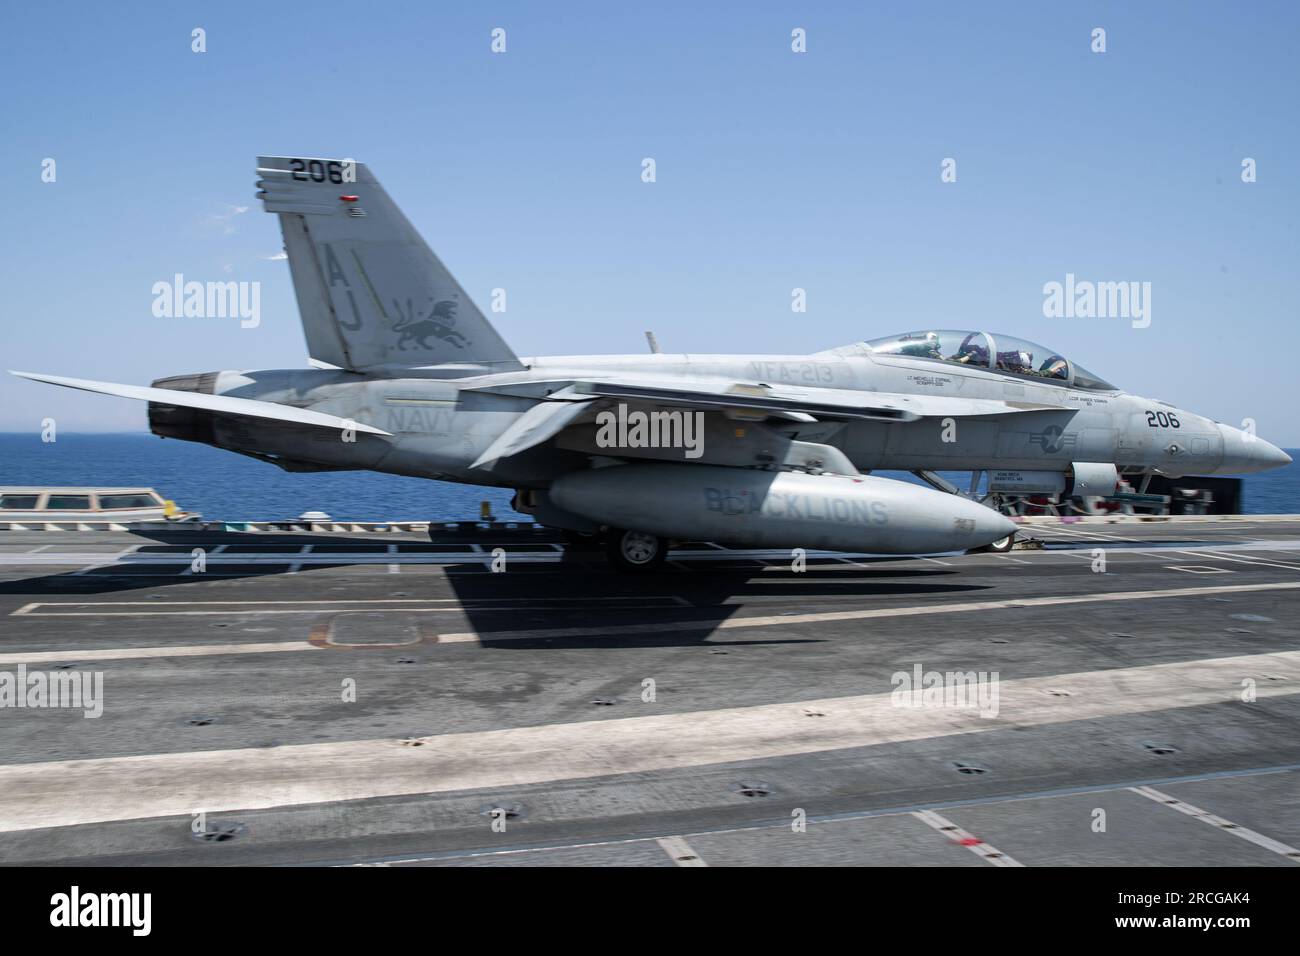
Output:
x=371 y=293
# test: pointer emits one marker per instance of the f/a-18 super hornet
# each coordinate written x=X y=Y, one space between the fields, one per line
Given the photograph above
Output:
x=764 y=451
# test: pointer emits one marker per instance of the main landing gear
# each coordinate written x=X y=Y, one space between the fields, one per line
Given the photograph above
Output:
x=635 y=551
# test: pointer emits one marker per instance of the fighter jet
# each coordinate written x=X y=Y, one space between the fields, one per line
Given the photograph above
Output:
x=409 y=377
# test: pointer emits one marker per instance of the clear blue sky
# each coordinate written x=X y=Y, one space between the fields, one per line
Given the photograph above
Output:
x=775 y=170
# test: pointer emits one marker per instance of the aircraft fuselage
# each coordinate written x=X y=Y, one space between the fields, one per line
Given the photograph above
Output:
x=441 y=421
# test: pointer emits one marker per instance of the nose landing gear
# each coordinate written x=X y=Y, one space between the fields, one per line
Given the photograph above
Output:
x=1000 y=546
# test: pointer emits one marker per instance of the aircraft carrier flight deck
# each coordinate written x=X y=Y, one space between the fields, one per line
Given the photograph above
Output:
x=493 y=697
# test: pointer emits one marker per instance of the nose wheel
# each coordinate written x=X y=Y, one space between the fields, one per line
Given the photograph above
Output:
x=1000 y=546
x=635 y=551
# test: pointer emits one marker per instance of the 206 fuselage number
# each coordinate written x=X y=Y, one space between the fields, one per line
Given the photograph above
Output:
x=316 y=171
x=1162 y=420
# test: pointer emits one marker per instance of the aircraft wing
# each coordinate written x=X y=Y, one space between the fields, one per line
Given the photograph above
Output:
x=224 y=404
x=789 y=402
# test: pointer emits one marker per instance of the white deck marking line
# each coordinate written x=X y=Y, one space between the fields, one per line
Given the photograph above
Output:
x=327 y=559
x=777 y=560
x=1092 y=531
x=321 y=602
x=990 y=854
x=32 y=610
x=864 y=614
x=468 y=605
x=1074 y=531
x=1007 y=557
x=135 y=653
x=40 y=549
x=1255 y=561
x=1206 y=555
x=850 y=816
x=680 y=851
x=1268 y=843
x=1198 y=569
x=946 y=564
x=72 y=792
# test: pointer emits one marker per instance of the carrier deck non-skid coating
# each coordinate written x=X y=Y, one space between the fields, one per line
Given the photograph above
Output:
x=378 y=697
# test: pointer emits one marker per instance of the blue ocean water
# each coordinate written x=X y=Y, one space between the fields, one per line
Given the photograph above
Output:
x=226 y=486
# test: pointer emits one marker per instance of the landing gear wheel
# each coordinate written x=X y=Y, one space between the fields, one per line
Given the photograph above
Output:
x=635 y=550
x=1000 y=546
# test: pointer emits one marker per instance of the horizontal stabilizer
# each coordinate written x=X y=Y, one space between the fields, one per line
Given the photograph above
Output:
x=222 y=404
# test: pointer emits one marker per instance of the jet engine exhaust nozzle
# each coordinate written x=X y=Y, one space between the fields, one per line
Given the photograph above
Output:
x=177 y=421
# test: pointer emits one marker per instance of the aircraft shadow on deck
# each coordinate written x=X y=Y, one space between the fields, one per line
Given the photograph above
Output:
x=577 y=592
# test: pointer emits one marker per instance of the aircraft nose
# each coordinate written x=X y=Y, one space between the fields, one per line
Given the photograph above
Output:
x=1246 y=454
x=1270 y=455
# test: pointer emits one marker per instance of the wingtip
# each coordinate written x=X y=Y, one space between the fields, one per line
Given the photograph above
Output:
x=30 y=376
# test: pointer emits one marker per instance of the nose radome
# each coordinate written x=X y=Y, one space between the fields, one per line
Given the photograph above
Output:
x=1269 y=455
x=1245 y=454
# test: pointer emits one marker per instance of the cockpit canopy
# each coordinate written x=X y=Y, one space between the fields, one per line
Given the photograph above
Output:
x=983 y=350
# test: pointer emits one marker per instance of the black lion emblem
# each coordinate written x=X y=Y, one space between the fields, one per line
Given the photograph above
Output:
x=438 y=324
